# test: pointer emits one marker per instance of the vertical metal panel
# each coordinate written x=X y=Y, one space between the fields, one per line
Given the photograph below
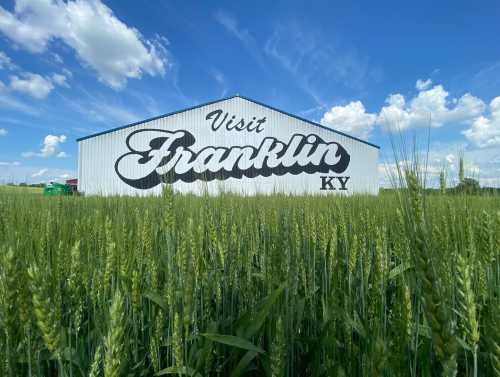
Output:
x=79 y=165
x=98 y=155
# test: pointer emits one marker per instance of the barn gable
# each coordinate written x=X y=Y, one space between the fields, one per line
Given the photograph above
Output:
x=223 y=100
x=241 y=144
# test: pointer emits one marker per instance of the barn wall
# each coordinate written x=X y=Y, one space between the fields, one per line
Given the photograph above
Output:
x=98 y=155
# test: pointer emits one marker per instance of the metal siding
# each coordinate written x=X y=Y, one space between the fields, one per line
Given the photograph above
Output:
x=97 y=155
x=79 y=165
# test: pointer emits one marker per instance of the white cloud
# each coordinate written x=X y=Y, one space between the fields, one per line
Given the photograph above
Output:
x=221 y=81
x=104 y=111
x=101 y=41
x=319 y=65
x=15 y=172
x=485 y=131
x=482 y=164
x=243 y=35
x=57 y=58
x=50 y=147
x=35 y=85
x=13 y=163
x=32 y=84
x=3 y=132
x=423 y=84
x=389 y=172
x=27 y=31
x=10 y=102
x=5 y=61
x=62 y=155
x=59 y=79
x=429 y=108
x=51 y=143
x=40 y=172
x=352 y=119
x=219 y=77
x=67 y=72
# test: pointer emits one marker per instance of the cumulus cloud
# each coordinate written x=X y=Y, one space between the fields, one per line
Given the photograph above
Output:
x=485 y=130
x=36 y=85
x=32 y=84
x=352 y=119
x=429 y=108
x=51 y=144
x=423 y=84
x=3 y=132
x=39 y=173
x=101 y=41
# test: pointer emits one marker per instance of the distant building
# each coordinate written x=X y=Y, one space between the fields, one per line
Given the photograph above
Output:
x=73 y=184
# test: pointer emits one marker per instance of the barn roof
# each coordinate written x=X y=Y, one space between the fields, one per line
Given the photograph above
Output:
x=225 y=99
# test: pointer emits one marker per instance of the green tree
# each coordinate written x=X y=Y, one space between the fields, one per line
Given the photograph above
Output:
x=468 y=186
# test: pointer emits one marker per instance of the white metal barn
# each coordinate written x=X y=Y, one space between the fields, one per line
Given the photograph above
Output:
x=235 y=145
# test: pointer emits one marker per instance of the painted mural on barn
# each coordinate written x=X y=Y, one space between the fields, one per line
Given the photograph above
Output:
x=235 y=145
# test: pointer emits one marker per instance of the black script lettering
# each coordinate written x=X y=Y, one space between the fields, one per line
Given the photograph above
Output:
x=228 y=124
x=250 y=129
x=241 y=125
x=260 y=122
x=216 y=114
x=165 y=156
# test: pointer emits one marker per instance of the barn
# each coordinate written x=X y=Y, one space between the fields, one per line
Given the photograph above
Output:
x=234 y=144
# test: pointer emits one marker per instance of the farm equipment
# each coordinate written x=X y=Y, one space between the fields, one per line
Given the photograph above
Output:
x=57 y=189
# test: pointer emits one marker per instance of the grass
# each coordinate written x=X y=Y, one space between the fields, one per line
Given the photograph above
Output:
x=396 y=285
x=6 y=189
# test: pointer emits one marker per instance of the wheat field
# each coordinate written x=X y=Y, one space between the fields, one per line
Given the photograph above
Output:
x=397 y=285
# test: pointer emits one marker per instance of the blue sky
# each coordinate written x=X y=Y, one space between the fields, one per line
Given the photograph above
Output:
x=68 y=69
